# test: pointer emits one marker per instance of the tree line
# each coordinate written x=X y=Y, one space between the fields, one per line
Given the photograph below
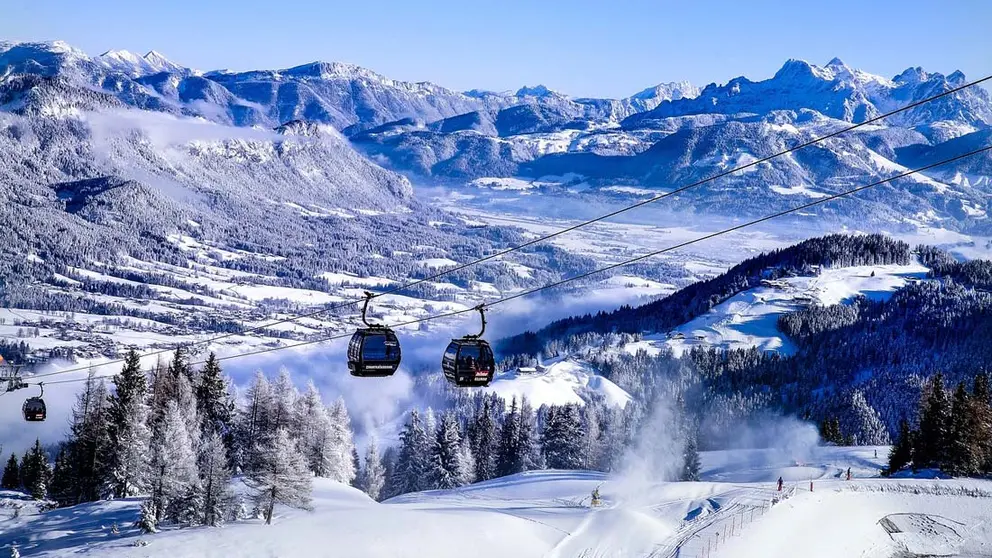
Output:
x=953 y=433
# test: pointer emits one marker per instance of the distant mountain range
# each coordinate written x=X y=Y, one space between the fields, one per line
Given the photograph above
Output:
x=652 y=141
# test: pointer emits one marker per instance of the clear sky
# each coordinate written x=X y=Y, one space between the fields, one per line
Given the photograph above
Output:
x=582 y=48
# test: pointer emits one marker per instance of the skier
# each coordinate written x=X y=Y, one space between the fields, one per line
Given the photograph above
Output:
x=848 y=473
x=780 y=484
x=595 y=497
x=876 y=454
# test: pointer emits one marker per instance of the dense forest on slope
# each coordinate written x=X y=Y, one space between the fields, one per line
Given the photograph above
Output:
x=863 y=364
x=692 y=301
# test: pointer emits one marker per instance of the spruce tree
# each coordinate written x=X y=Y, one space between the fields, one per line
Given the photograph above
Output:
x=690 y=458
x=127 y=430
x=902 y=452
x=11 y=475
x=563 y=438
x=510 y=458
x=446 y=463
x=174 y=476
x=63 y=489
x=593 y=443
x=340 y=445
x=373 y=474
x=36 y=474
x=412 y=461
x=530 y=445
x=981 y=395
x=485 y=440
x=935 y=423
x=391 y=479
x=356 y=466
x=214 y=401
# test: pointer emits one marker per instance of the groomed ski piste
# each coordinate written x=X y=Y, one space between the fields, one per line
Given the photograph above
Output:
x=730 y=513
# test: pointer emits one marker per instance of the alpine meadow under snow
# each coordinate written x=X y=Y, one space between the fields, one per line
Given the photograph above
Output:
x=163 y=229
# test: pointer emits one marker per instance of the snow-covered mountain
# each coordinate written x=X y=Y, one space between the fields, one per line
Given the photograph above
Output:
x=836 y=91
x=135 y=66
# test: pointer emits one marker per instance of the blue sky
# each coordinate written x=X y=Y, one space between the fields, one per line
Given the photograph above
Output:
x=583 y=48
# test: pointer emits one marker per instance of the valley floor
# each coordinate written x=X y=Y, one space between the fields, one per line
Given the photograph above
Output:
x=548 y=514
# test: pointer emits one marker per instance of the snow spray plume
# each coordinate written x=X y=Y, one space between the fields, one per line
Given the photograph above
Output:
x=773 y=441
x=657 y=454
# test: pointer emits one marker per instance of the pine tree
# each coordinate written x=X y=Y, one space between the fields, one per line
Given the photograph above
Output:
x=282 y=402
x=215 y=478
x=180 y=366
x=281 y=476
x=412 y=462
x=446 y=465
x=36 y=474
x=981 y=395
x=88 y=443
x=866 y=425
x=485 y=440
x=902 y=452
x=468 y=460
x=11 y=475
x=690 y=458
x=510 y=459
x=593 y=443
x=563 y=438
x=935 y=423
x=214 y=401
x=613 y=435
x=62 y=489
x=530 y=446
x=356 y=465
x=965 y=452
x=253 y=422
x=311 y=429
x=340 y=445
x=174 y=472
x=373 y=474
x=128 y=433
x=391 y=479
x=147 y=521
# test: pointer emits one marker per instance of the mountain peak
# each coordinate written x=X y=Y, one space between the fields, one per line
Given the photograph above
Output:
x=836 y=63
x=535 y=91
x=912 y=75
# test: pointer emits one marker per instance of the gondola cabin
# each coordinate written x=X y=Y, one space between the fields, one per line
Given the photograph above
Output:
x=34 y=409
x=468 y=362
x=373 y=351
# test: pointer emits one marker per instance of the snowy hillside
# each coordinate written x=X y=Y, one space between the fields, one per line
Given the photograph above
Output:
x=750 y=318
x=547 y=513
x=558 y=382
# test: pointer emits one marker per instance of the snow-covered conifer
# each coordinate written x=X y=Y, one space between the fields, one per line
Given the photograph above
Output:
x=281 y=476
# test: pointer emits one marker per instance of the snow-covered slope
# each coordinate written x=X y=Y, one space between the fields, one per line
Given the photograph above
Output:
x=749 y=319
x=558 y=382
x=547 y=513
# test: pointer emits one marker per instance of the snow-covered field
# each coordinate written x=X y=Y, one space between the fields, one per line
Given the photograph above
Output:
x=730 y=513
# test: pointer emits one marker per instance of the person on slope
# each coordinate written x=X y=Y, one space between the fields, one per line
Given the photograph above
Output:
x=848 y=473
x=780 y=484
